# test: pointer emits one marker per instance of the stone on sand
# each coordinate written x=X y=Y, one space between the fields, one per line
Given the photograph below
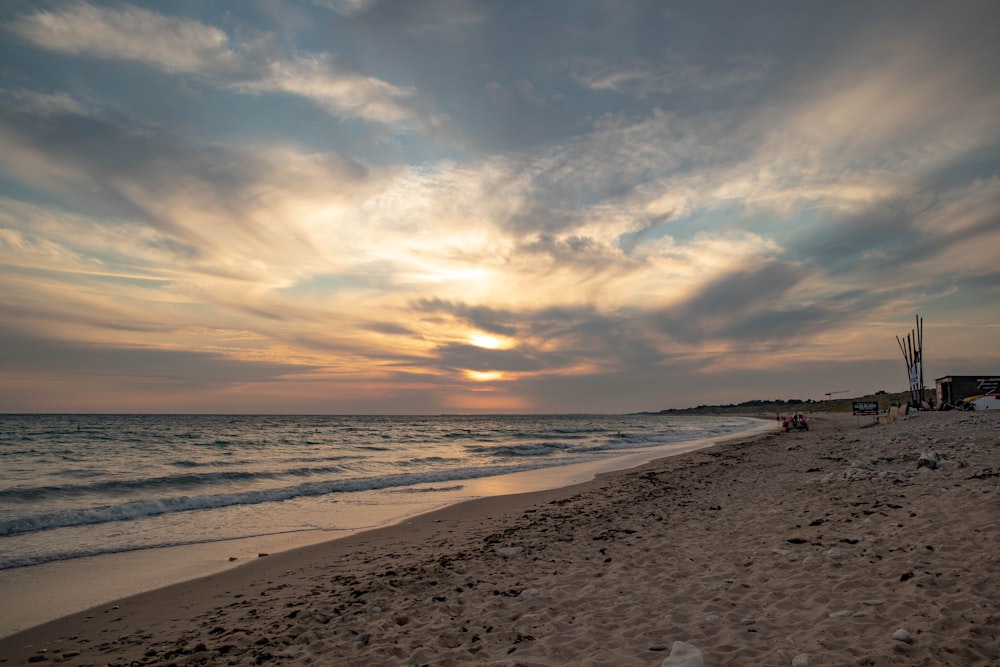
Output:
x=903 y=636
x=928 y=460
x=684 y=655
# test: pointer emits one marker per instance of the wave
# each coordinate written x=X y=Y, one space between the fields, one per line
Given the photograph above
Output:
x=554 y=434
x=517 y=451
x=7 y=562
x=592 y=440
x=429 y=489
x=182 y=481
x=140 y=509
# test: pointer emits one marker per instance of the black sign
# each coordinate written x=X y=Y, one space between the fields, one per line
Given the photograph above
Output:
x=988 y=385
x=866 y=407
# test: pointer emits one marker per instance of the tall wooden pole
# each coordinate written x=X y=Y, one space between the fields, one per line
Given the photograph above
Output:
x=920 y=348
x=903 y=350
x=913 y=356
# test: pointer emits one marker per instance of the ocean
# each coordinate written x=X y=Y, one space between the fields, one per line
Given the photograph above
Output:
x=75 y=486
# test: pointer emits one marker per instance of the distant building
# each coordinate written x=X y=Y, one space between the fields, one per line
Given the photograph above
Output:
x=980 y=392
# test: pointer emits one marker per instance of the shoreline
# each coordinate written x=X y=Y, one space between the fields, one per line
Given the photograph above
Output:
x=825 y=547
x=58 y=588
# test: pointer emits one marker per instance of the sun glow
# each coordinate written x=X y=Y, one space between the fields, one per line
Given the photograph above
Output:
x=484 y=376
x=491 y=342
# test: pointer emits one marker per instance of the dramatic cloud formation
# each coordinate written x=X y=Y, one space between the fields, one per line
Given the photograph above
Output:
x=472 y=206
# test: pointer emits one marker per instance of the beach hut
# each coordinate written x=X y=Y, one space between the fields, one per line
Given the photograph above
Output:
x=954 y=390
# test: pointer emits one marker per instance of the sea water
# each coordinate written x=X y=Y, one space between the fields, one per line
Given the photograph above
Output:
x=80 y=486
x=77 y=485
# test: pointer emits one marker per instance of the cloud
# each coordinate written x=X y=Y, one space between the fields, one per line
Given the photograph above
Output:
x=672 y=75
x=416 y=17
x=46 y=104
x=205 y=202
x=346 y=6
x=185 y=46
x=173 y=45
x=470 y=357
x=341 y=91
x=204 y=237
x=123 y=378
x=181 y=367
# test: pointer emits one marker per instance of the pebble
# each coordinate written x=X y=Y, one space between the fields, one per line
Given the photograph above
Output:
x=928 y=460
x=508 y=552
x=683 y=654
x=903 y=636
x=801 y=660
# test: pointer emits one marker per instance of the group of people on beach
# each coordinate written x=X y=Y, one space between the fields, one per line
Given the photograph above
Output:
x=797 y=421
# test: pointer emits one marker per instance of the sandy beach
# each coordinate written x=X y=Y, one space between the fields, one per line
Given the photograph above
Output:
x=848 y=544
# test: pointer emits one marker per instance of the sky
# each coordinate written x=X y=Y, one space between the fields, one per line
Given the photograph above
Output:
x=492 y=206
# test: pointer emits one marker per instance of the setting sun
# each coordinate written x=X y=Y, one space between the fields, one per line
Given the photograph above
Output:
x=491 y=342
x=484 y=376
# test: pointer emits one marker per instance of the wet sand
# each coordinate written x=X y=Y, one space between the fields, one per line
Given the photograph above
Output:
x=838 y=546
